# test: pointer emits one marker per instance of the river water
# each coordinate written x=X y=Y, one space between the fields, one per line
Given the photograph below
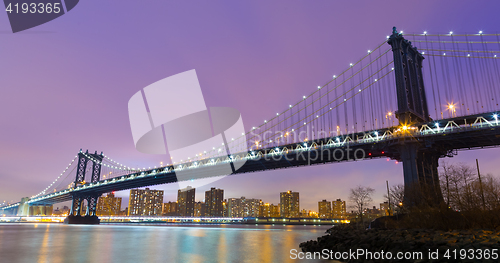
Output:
x=59 y=243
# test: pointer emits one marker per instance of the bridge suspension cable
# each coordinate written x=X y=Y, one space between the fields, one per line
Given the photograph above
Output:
x=357 y=99
x=463 y=70
x=58 y=178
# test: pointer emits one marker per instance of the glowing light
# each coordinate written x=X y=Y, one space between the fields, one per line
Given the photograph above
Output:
x=369 y=51
x=480 y=32
x=304 y=97
x=319 y=87
x=405 y=127
x=451 y=32
x=437 y=124
x=468 y=55
x=425 y=32
x=334 y=76
x=444 y=54
x=423 y=53
x=350 y=64
x=277 y=114
x=290 y=106
x=495 y=116
x=389 y=113
x=387 y=36
x=376 y=133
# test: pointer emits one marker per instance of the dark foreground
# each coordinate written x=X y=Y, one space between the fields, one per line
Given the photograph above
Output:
x=411 y=245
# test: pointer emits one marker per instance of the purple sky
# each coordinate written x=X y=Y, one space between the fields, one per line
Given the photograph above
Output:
x=65 y=85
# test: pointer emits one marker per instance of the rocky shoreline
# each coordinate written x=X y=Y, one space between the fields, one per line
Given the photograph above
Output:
x=447 y=246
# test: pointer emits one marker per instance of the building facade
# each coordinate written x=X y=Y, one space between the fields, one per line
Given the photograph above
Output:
x=289 y=204
x=324 y=209
x=109 y=205
x=170 y=209
x=242 y=207
x=199 y=209
x=338 y=209
x=145 y=202
x=269 y=210
x=214 y=206
x=185 y=201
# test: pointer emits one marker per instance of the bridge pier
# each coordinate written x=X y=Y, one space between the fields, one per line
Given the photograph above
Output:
x=420 y=160
x=421 y=177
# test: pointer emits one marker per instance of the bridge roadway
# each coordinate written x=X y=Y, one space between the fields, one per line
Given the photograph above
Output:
x=447 y=135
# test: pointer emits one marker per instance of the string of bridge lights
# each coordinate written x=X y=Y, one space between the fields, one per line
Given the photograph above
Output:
x=351 y=65
x=425 y=33
x=48 y=187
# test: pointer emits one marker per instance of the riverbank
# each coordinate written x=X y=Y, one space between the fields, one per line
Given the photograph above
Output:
x=431 y=245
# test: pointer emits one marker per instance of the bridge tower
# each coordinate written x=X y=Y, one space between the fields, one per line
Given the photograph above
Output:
x=420 y=159
x=76 y=215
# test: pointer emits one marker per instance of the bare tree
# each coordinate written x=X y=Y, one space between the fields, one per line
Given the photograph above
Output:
x=463 y=191
x=360 y=198
x=397 y=193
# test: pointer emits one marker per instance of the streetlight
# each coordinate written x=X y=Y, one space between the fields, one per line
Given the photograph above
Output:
x=452 y=109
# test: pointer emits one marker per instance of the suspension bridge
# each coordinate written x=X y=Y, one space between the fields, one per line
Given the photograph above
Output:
x=414 y=98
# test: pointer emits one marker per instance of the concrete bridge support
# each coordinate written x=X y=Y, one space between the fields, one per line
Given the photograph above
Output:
x=421 y=178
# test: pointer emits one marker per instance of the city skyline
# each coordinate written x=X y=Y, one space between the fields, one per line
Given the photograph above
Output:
x=272 y=57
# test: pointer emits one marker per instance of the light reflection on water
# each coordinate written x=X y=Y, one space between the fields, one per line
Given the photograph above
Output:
x=152 y=243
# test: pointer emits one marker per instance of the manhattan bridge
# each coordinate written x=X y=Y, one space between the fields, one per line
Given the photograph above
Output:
x=414 y=98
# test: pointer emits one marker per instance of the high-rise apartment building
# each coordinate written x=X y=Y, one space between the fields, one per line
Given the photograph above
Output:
x=324 y=209
x=185 y=201
x=289 y=204
x=269 y=210
x=109 y=205
x=338 y=209
x=214 y=199
x=170 y=209
x=145 y=202
x=199 y=209
x=242 y=207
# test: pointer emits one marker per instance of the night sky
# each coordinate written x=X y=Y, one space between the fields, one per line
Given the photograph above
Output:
x=65 y=85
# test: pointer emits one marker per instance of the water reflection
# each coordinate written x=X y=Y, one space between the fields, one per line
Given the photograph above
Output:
x=151 y=243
